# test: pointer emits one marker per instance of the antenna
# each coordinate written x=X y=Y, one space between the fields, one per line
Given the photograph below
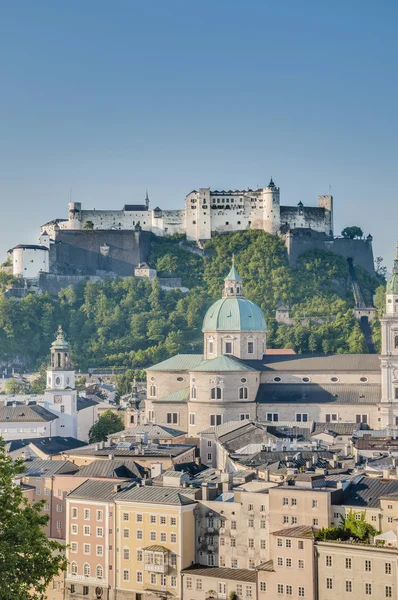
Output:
x=330 y=189
x=70 y=194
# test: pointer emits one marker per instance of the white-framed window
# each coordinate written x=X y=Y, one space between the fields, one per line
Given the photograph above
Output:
x=173 y=538
x=163 y=537
x=47 y=506
x=139 y=534
x=172 y=418
x=86 y=514
x=152 y=391
x=152 y=519
x=348 y=585
x=74 y=513
x=59 y=524
x=173 y=581
x=126 y=533
x=100 y=515
x=216 y=393
x=73 y=568
x=38 y=491
x=215 y=420
x=99 y=550
x=74 y=529
x=47 y=491
x=86 y=570
x=153 y=536
x=59 y=507
x=331 y=418
x=301 y=417
x=362 y=419
x=138 y=576
x=193 y=392
x=126 y=553
x=272 y=416
x=244 y=416
x=86 y=530
x=243 y=393
x=153 y=578
x=139 y=556
x=173 y=521
x=301 y=591
x=368 y=589
x=211 y=347
x=228 y=347
x=86 y=548
x=126 y=575
x=280 y=588
x=250 y=347
x=263 y=586
x=139 y=518
x=99 y=572
x=329 y=583
x=192 y=419
x=74 y=547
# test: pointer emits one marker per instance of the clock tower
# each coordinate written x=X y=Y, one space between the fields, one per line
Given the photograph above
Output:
x=60 y=394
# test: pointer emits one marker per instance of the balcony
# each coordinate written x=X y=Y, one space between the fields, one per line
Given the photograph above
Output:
x=156 y=568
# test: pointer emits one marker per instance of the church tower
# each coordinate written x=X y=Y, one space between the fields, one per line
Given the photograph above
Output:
x=389 y=353
x=60 y=394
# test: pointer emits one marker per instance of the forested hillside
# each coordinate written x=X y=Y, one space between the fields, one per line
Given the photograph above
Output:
x=133 y=323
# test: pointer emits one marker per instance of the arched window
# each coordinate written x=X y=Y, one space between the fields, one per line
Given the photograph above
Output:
x=131 y=418
x=216 y=393
x=211 y=347
x=73 y=568
x=152 y=391
x=86 y=570
x=396 y=341
x=193 y=392
x=99 y=572
x=52 y=360
x=59 y=359
x=243 y=393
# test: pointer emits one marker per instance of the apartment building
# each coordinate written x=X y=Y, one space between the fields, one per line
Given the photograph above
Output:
x=91 y=540
x=202 y=583
x=155 y=541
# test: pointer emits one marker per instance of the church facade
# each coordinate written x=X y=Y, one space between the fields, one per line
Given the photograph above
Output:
x=235 y=378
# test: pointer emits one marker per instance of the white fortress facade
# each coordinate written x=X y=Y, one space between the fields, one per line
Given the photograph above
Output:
x=205 y=214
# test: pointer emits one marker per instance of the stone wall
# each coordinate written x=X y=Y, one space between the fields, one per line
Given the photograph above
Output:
x=97 y=252
x=300 y=241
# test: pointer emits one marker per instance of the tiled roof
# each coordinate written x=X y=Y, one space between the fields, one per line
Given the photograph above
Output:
x=224 y=428
x=153 y=432
x=112 y=468
x=83 y=403
x=97 y=490
x=180 y=362
x=335 y=363
x=115 y=451
x=221 y=364
x=336 y=428
x=48 y=445
x=24 y=414
x=301 y=531
x=47 y=468
x=368 y=491
x=312 y=393
x=178 y=396
x=157 y=495
x=221 y=573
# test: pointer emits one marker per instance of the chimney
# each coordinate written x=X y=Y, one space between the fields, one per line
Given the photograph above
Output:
x=266 y=474
x=386 y=473
x=314 y=459
x=117 y=487
x=205 y=491
x=225 y=482
x=198 y=460
x=110 y=456
x=308 y=464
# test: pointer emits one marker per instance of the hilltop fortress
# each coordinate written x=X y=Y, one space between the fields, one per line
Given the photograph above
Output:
x=113 y=242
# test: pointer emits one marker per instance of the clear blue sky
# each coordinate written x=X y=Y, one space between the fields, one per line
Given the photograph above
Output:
x=110 y=98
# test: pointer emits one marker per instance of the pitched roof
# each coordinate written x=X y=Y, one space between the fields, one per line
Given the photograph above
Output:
x=178 y=396
x=368 y=491
x=47 y=445
x=83 y=403
x=151 y=430
x=25 y=414
x=47 y=468
x=158 y=495
x=135 y=207
x=335 y=363
x=301 y=531
x=233 y=274
x=221 y=573
x=179 y=362
x=335 y=428
x=112 y=468
x=159 y=450
x=311 y=393
x=97 y=490
x=221 y=364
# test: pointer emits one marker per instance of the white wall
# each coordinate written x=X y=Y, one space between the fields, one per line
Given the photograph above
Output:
x=29 y=262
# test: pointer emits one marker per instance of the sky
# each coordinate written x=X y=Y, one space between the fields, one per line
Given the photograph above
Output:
x=100 y=100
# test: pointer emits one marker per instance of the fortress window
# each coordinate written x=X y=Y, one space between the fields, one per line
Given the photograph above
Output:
x=152 y=391
x=243 y=380
x=250 y=347
x=216 y=393
x=193 y=392
x=193 y=222
x=172 y=418
x=211 y=347
x=243 y=393
x=334 y=379
x=238 y=222
x=364 y=379
x=215 y=420
x=277 y=379
x=227 y=222
x=306 y=380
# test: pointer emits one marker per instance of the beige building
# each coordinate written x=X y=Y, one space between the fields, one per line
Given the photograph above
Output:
x=235 y=379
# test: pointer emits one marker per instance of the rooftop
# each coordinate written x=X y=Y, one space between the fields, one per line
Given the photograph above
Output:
x=47 y=468
x=112 y=468
x=46 y=445
x=97 y=490
x=315 y=393
x=25 y=414
x=221 y=573
x=368 y=491
x=152 y=431
x=336 y=363
x=222 y=364
x=158 y=495
x=179 y=362
x=301 y=531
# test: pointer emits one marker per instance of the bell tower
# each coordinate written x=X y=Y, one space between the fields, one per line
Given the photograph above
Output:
x=389 y=352
x=60 y=396
x=233 y=287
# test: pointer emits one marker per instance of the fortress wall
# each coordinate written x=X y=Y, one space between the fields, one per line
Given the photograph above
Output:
x=94 y=252
x=360 y=251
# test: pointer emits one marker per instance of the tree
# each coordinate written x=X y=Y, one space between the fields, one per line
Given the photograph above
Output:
x=28 y=559
x=381 y=270
x=88 y=225
x=16 y=387
x=108 y=423
x=352 y=232
x=38 y=385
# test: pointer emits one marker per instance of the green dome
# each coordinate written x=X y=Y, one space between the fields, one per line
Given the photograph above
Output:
x=234 y=314
x=392 y=284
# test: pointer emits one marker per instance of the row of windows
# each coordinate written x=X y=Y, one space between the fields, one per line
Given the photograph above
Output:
x=241 y=590
x=250 y=543
x=368 y=587
x=288 y=562
x=278 y=379
x=293 y=502
x=288 y=543
x=293 y=521
x=154 y=578
x=228 y=346
x=367 y=564
x=153 y=536
x=99 y=550
x=99 y=572
x=87 y=530
x=287 y=590
x=139 y=518
x=330 y=418
x=99 y=514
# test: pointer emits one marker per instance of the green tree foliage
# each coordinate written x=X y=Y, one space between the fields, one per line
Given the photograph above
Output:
x=352 y=232
x=13 y=386
x=38 y=385
x=88 y=225
x=108 y=423
x=351 y=527
x=28 y=559
x=124 y=381
x=133 y=323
